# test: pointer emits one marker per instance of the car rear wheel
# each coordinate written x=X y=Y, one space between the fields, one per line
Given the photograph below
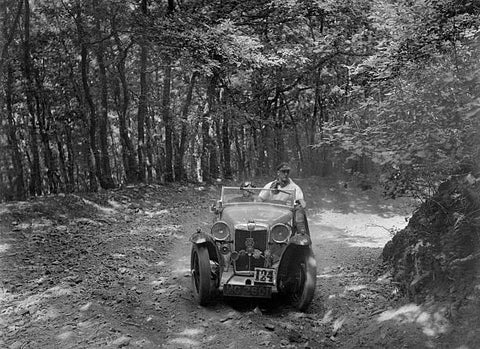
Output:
x=201 y=274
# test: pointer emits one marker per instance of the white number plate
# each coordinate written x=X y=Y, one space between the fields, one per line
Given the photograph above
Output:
x=265 y=275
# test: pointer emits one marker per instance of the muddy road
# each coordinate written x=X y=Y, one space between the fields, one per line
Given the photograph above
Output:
x=111 y=270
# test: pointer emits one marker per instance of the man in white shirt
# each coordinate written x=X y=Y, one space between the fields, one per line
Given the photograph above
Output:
x=283 y=181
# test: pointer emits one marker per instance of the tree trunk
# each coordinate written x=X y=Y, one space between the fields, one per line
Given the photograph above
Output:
x=70 y=157
x=180 y=174
x=9 y=33
x=204 y=157
x=18 y=181
x=92 y=157
x=167 y=120
x=226 y=149
x=35 y=174
x=128 y=151
x=62 y=163
x=208 y=157
x=149 y=130
x=238 y=138
x=43 y=127
x=143 y=100
x=142 y=111
x=15 y=153
x=106 y=180
x=298 y=146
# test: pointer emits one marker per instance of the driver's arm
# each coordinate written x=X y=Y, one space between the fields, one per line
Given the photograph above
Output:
x=264 y=194
x=302 y=203
x=300 y=198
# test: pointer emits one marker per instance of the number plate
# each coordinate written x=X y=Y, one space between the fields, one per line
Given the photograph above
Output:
x=254 y=291
x=264 y=276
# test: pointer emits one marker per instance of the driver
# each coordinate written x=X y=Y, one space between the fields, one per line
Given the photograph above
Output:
x=283 y=181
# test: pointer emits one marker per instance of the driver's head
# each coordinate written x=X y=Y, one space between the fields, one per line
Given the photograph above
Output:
x=246 y=185
x=283 y=171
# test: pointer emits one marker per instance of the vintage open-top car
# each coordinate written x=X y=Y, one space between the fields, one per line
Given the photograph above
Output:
x=254 y=249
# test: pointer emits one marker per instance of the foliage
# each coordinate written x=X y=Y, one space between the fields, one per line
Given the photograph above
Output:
x=439 y=249
x=420 y=123
x=238 y=85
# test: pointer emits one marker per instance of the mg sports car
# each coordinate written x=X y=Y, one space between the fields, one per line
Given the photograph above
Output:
x=253 y=249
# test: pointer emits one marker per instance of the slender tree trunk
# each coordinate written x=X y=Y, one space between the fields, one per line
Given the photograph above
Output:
x=143 y=100
x=167 y=120
x=180 y=174
x=311 y=127
x=117 y=168
x=18 y=180
x=240 y=150
x=92 y=157
x=298 y=145
x=35 y=173
x=45 y=139
x=205 y=155
x=70 y=157
x=44 y=121
x=128 y=151
x=142 y=111
x=149 y=130
x=62 y=163
x=218 y=160
x=208 y=157
x=227 y=165
x=277 y=139
x=8 y=33
x=106 y=180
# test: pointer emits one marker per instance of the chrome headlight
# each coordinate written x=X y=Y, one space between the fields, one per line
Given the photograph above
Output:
x=220 y=230
x=280 y=233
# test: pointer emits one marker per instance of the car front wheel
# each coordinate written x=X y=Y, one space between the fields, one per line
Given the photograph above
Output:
x=201 y=274
x=299 y=281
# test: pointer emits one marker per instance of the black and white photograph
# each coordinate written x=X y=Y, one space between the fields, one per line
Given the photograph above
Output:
x=228 y=174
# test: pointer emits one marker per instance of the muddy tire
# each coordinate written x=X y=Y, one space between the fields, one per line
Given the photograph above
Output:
x=299 y=278
x=201 y=274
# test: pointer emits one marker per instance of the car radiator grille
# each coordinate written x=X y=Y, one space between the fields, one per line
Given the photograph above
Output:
x=251 y=248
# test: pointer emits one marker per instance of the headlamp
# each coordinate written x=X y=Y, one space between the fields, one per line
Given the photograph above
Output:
x=280 y=233
x=220 y=230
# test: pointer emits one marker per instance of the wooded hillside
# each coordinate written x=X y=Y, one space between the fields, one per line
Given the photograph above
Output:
x=99 y=93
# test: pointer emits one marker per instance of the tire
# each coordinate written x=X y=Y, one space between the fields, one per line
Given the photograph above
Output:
x=300 y=278
x=201 y=274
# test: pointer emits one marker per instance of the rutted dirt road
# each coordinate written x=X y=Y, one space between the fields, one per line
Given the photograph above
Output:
x=111 y=270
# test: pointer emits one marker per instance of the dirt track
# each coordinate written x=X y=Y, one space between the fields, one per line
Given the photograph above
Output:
x=112 y=270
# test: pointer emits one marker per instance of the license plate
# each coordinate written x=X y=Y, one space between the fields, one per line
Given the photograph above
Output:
x=264 y=276
x=254 y=291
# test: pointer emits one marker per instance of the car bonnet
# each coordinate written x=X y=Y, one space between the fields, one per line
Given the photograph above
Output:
x=259 y=213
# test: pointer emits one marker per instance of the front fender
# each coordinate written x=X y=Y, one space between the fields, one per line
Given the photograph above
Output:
x=300 y=240
x=292 y=255
x=200 y=237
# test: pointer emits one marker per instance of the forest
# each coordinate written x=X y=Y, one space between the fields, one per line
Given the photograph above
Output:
x=102 y=93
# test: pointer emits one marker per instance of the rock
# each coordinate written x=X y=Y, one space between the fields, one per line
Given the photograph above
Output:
x=86 y=306
x=257 y=310
x=295 y=337
x=270 y=327
x=123 y=341
x=16 y=345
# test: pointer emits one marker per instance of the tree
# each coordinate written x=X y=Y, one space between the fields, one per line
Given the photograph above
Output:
x=161 y=90
x=106 y=180
x=35 y=172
